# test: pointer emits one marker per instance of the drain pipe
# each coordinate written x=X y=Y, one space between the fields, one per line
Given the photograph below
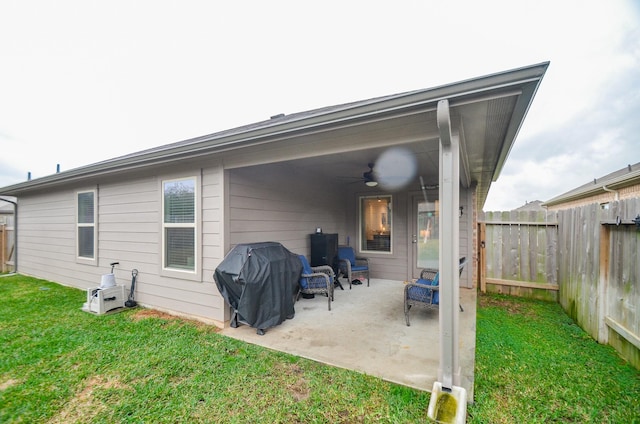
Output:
x=616 y=193
x=15 y=232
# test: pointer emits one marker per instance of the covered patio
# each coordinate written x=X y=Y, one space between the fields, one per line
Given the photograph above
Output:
x=366 y=331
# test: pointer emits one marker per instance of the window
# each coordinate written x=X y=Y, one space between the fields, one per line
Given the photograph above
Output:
x=86 y=224
x=179 y=224
x=375 y=223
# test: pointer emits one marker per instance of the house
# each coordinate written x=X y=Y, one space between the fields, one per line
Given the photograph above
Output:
x=6 y=211
x=535 y=205
x=619 y=185
x=173 y=212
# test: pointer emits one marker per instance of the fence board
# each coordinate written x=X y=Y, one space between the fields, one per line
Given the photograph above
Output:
x=3 y=248
x=517 y=250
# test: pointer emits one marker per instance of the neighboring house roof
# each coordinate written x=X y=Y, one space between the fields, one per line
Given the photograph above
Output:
x=535 y=205
x=625 y=177
x=6 y=208
x=487 y=113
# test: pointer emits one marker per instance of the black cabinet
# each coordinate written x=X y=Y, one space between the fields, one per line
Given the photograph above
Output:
x=324 y=249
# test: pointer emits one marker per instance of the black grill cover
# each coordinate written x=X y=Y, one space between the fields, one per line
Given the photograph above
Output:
x=259 y=280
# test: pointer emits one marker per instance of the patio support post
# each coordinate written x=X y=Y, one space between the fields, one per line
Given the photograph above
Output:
x=449 y=372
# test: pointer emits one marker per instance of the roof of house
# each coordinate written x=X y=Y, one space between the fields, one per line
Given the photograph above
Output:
x=535 y=205
x=6 y=208
x=488 y=111
x=624 y=177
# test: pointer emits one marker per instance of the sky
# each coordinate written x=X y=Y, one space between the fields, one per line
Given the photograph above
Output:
x=83 y=81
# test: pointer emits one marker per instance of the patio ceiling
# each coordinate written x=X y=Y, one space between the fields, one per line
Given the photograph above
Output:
x=486 y=127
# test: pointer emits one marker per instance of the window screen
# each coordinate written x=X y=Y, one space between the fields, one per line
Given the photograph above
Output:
x=179 y=224
x=86 y=224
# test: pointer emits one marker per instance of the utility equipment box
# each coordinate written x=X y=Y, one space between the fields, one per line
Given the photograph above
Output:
x=100 y=301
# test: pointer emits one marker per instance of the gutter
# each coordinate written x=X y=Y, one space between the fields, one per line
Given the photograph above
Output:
x=15 y=229
x=615 y=192
x=590 y=189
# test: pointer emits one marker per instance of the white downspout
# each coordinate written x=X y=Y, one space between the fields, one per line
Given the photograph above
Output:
x=616 y=193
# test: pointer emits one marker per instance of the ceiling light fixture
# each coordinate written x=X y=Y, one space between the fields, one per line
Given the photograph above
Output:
x=369 y=179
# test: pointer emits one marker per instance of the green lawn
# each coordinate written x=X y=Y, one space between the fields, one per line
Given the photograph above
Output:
x=535 y=365
x=61 y=365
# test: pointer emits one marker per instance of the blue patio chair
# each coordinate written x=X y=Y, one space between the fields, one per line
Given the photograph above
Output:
x=425 y=291
x=351 y=266
x=316 y=280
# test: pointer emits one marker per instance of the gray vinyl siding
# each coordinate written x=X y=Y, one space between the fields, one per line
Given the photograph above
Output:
x=467 y=231
x=129 y=232
x=277 y=205
x=128 y=217
x=46 y=237
x=213 y=241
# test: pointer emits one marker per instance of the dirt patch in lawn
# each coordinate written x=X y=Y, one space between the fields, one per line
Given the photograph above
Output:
x=150 y=313
x=85 y=406
x=505 y=304
x=4 y=385
x=143 y=313
x=299 y=387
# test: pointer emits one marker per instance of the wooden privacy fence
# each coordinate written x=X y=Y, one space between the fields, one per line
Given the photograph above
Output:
x=599 y=271
x=587 y=258
x=517 y=253
x=6 y=248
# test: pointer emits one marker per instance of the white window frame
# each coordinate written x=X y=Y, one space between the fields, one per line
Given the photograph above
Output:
x=84 y=259
x=389 y=224
x=195 y=273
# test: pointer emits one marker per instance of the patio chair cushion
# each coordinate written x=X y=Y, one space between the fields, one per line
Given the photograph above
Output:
x=306 y=269
x=423 y=293
x=436 y=294
x=359 y=268
x=348 y=253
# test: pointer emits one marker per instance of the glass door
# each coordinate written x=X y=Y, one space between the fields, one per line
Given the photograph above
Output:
x=425 y=233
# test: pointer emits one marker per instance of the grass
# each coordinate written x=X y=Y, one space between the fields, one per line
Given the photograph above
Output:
x=535 y=365
x=61 y=365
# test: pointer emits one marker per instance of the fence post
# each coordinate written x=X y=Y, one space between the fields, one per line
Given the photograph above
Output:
x=3 y=248
x=482 y=272
x=603 y=332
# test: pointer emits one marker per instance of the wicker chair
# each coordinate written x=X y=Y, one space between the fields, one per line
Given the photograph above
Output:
x=350 y=265
x=425 y=292
x=316 y=280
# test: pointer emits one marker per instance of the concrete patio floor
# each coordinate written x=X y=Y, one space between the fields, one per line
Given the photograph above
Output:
x=365 y=331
